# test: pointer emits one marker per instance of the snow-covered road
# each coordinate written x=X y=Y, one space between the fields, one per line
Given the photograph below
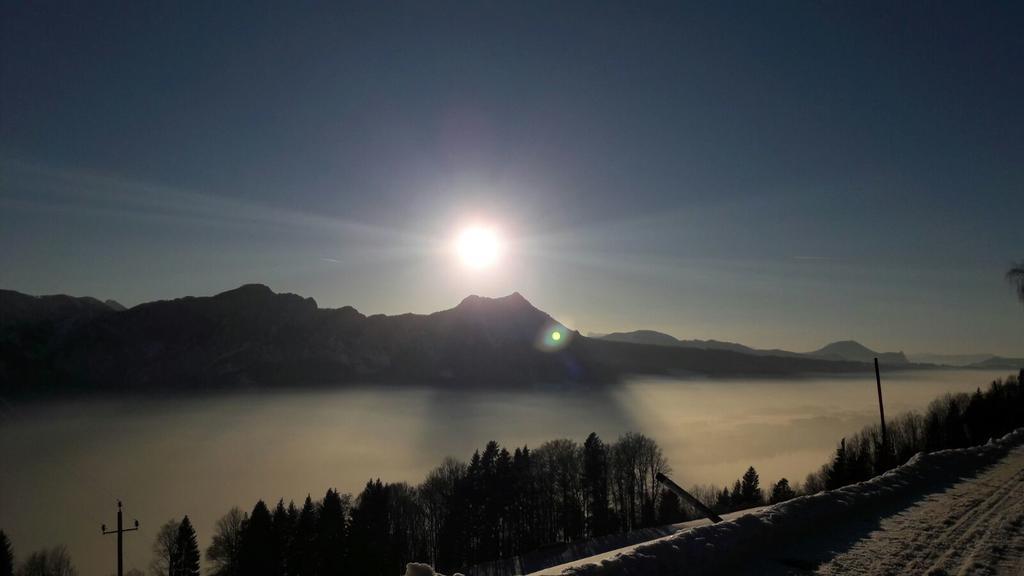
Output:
x=974 y=527
x=949 y=512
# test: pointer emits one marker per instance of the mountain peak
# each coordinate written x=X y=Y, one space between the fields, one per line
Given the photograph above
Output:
x=643 y=337
x=513 y=300
x=846 y=346
x=857 y=352
x=247 y=291
x=260 y=294
x=508 y=318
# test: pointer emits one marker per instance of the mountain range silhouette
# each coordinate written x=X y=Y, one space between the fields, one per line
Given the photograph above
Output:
x=253 y=336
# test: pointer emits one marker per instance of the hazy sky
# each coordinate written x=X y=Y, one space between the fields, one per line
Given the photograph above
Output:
x=780 y=174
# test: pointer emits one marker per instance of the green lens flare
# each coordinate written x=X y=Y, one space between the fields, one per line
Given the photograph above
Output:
x=553 y=337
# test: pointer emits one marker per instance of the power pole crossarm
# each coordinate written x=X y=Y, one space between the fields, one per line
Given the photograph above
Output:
x=120 y=536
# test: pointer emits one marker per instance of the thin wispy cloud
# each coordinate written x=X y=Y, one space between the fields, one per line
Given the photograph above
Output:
x=40 y=188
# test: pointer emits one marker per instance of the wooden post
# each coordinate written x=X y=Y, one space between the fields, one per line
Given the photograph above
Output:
x=881 y=413
x=689 y=498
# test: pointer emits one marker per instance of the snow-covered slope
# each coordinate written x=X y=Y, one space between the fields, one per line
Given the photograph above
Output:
x=732 y=545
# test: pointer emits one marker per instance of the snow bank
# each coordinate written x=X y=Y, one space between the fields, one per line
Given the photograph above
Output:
x=716 y=548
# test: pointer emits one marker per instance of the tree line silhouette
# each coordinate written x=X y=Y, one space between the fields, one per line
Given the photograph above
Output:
x=950 y=421
x=499 y=504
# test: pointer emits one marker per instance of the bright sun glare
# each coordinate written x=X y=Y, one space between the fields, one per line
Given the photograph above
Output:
x=478 y=247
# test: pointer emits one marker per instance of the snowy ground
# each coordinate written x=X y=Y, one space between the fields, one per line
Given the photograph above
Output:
x=950 y=512
x=671 y=531
x=974 y=527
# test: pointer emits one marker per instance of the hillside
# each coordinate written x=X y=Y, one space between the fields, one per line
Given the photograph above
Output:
x=253 y=336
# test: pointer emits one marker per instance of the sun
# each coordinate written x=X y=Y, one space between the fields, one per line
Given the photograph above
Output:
x=478 y=247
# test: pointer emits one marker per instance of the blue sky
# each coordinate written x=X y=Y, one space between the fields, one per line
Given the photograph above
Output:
x=780 y=174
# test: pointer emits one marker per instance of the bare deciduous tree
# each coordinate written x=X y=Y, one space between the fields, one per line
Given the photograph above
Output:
x=435 y=494
x=226 y=544
x=164 y=548
x=49 y=562
x=636 y=462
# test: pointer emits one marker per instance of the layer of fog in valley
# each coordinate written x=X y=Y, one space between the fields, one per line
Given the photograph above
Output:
x=65 y=463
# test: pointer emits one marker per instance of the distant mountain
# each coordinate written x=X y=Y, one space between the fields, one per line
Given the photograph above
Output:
x=661 y=339
x=253 y=336
x=948 y=359
x=19 y=309
x=643 y=337
x=846 y=350
x=32 y=327
x=852 y=351
x=1000 y=362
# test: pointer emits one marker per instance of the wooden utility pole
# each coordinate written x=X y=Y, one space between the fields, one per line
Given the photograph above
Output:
x=881 y=412
x=688 y=497
x=120 y=534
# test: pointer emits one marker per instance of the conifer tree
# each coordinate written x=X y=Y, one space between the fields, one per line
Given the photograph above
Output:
x=302 y=556
x=595 y=485
x=260 y=555
x=837 y=472
x=488 y=516
x=282 y=526
x=736 y=496
x=330 y=535
x=750 y=489
x=6 y=556
x=503 y=486
x=371 y=546
x=781 y=491
x=724 y=503
x=186 y=561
